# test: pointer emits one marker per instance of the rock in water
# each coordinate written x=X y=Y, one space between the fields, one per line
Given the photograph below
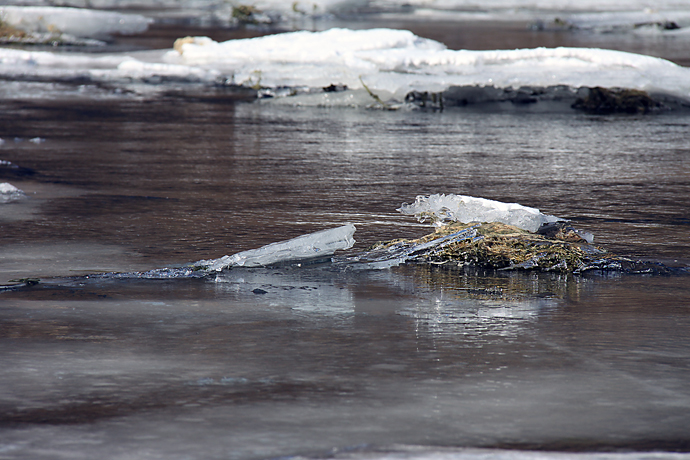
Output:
x=504 y=247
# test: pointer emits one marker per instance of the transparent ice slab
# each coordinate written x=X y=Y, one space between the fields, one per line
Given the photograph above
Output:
x=319 y=244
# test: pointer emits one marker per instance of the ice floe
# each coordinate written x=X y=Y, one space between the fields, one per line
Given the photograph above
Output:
x=10 y=193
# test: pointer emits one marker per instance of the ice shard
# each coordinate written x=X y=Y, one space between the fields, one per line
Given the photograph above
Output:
x=312 y=245
x=442 y=209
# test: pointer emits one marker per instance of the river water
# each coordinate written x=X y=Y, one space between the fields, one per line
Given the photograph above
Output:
x=410 y=362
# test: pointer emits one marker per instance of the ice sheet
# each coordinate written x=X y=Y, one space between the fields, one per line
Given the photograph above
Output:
x=441 y=209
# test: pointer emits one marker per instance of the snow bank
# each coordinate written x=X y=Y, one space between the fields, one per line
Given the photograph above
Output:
x=72 y=21
x=319 y=244
x=441 y=209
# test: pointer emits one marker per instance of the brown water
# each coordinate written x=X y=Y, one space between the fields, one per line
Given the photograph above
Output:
x=266 y=363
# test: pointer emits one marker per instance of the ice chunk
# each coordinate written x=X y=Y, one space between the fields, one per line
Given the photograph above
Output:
x=323 y=243
x=72 y=21
x=441 y=209
x=9 y=193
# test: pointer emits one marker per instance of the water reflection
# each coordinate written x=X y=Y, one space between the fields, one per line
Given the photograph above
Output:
x=302 y=360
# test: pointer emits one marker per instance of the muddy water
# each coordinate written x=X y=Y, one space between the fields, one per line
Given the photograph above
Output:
x=266 y=363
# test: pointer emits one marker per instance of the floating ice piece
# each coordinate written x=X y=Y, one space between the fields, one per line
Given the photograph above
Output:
x=319 y=244
x=442 y=209
x=72 y=21
x=9 y=193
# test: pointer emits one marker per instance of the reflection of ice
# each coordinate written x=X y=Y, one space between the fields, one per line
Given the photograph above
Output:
x=303 y=290
x=318 y=244
x=503 y=317
x=441 y=209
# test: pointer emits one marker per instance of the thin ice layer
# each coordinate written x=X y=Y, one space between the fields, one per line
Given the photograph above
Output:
x=319 y=244
x=442 y=209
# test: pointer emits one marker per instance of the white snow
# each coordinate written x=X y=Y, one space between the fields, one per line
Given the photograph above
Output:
x=442 y=209
x=375 y=64
x=10 y=193
x=76 y=22
x=318 y=244
x=397 y=62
